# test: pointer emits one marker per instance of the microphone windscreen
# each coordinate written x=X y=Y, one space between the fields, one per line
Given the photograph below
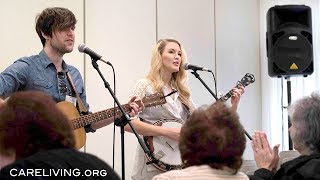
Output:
x=186 y=66
x=81 y=47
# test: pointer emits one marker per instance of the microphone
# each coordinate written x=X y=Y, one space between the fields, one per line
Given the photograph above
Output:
x=95 y=56
x=195 y=67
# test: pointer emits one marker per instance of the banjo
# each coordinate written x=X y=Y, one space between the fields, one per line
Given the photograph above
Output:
x=165 y=153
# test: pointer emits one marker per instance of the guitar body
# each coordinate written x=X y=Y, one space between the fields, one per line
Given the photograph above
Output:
x=165 y=151
x=72 y=113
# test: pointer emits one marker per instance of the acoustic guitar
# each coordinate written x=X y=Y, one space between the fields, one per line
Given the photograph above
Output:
x=165 y=154
x=78 y=122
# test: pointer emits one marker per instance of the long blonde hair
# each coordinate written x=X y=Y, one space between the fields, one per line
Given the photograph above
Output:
x=178 y=80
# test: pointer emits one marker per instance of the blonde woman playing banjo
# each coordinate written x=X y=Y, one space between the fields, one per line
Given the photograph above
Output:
x=161 y=125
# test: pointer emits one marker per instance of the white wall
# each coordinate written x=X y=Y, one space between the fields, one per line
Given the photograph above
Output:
x=222 y=35
x=237 y=53
x=192 y=23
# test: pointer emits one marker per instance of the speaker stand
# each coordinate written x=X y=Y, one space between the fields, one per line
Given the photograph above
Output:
x=289 y=103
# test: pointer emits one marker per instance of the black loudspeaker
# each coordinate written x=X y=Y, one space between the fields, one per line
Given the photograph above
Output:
x=289 y=41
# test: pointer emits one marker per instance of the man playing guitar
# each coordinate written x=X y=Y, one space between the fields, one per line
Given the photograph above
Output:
x=47 y=71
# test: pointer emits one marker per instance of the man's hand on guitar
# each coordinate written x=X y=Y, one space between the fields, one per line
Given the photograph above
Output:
x=235 y=98
x=137 y=106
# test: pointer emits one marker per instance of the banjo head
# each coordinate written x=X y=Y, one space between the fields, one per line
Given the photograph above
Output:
x=165 y=151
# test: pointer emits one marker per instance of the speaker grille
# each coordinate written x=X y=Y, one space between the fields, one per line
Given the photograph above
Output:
x=289 y=41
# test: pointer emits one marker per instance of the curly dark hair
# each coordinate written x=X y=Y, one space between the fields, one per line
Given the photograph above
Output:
x=30 y=122
x=52 y=19
x=214 y=136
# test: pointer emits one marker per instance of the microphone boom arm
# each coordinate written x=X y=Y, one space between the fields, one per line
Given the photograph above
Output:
x=194 y=72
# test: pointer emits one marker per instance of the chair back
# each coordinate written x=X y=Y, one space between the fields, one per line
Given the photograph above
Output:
x=285 y=156
x=248 y=167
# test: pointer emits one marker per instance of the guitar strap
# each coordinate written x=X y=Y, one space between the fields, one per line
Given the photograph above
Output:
x=82 y=107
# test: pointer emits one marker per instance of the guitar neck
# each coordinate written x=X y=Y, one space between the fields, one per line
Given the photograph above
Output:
x=228 y=95
x=98 y=116
x=148 y=101
x=245 y=81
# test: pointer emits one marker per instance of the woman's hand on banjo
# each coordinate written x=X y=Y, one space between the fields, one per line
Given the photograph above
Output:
x=172 y=133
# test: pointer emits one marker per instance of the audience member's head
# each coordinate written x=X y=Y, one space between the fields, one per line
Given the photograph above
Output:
x=305 y=134
x=305 y=128
x=30 y=122
x=213 y=136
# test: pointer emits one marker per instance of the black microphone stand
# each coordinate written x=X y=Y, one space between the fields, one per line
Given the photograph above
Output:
x=289 y=103
x=215 y=97
x=121 y=121
x=205 y=85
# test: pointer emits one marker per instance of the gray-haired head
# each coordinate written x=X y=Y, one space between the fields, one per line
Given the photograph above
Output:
x=305 y=112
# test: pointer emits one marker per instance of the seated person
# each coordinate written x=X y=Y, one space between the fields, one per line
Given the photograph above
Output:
x=305 y=134
x=211 y=143
x=37 y=142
